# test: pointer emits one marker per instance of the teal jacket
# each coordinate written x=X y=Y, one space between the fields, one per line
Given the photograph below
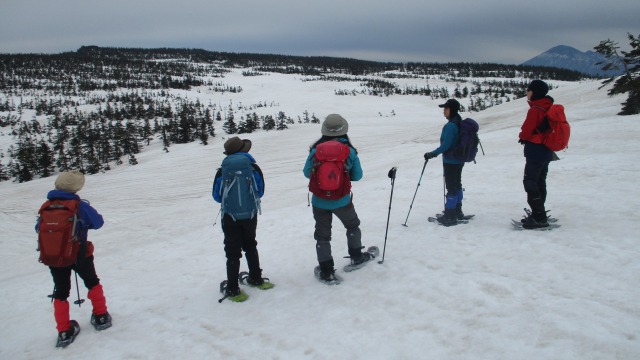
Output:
x=355 y=172
x=448 y=139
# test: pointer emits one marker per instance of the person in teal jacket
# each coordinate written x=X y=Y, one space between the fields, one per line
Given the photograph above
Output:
x=452 y=168
x=335 y=127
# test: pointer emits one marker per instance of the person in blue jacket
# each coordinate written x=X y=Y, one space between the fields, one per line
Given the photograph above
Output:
x=240 y=234
x=67 y=184
x=335 y=127
x=452 y=168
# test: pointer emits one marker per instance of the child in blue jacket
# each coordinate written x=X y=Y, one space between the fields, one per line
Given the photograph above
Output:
x=240 y=234
x=66 y=186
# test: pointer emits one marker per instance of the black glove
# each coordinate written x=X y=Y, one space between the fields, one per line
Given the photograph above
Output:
x=429 y=155
x=520 y=141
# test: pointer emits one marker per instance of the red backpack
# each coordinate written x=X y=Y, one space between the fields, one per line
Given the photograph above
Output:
x=57 y=240
x=556 y=137
x=329 y=179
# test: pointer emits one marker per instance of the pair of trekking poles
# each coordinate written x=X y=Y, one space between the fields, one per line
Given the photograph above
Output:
x=392 y=176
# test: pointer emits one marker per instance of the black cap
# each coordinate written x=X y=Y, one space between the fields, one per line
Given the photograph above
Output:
x=452 y=104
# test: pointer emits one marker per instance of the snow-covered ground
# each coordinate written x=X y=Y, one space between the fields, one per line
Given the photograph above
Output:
x=474 y=291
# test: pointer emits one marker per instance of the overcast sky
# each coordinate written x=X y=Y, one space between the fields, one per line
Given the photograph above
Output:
x=502 y=31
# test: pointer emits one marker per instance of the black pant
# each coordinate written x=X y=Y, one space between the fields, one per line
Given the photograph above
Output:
x=535 y=179
x=453 y=183
x=453 y=177
x=535 y=184
x=240 y=235
x=62 y=277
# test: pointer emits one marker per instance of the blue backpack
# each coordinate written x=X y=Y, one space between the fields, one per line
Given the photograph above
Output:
x=466 y=146
x=239 y=189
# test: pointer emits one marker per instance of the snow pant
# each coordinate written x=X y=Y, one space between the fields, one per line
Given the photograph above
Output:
x=349 y=218
x=62 y=287
x=453 y=183
x=240 y=235
x=535 y=185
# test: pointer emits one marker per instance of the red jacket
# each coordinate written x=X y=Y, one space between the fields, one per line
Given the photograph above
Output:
x=535 y=115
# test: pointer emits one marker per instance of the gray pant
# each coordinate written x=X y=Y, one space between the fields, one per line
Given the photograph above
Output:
x=347 y=215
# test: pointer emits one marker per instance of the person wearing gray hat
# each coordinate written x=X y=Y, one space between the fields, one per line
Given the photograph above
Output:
x=452 y=167
x=536 y=154
x=67 y=184
x=334 y=146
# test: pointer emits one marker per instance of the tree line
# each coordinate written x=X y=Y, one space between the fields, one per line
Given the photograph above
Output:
x=103 y=105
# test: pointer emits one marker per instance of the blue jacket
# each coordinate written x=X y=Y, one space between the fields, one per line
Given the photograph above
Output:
x=355 y=172
x=88 y=217
x=448 y=139
x=257 y=176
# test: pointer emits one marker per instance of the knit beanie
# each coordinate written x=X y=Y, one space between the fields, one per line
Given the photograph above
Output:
x=234 y=145
x=70 y=181
x=334 y=125
x=539 y=89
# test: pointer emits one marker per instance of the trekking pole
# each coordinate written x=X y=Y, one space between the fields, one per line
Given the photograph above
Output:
x=444 y=193
x=414 y=195
x=52 y=293
x=215 y=221
x=392 y=176
x=79 y=301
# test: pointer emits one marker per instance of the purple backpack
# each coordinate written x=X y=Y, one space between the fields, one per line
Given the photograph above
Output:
x=466 y=147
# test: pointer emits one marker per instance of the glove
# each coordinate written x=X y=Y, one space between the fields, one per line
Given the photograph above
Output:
x=520 y=141
x=429 y=155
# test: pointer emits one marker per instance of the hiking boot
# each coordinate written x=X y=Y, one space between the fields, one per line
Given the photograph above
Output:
x=66 y=337
x=260 y=283
x=235 y=295
x=449 y=218
x=530 y=222
x=101 y=322
x=362 y=258
x=328 y=277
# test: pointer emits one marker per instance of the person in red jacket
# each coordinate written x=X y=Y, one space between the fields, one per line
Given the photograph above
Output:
x=537 y=155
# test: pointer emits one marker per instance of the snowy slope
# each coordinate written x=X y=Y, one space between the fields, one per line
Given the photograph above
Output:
x=475 y=291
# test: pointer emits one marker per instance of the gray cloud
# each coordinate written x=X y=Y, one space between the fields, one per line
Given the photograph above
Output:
x=403 y=30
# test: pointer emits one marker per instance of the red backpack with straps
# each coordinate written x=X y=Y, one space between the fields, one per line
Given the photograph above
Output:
x=57 y=240
x=556 y=136
x=329 y=178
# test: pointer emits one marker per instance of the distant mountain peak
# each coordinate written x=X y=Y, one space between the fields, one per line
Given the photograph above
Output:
x=567 y=57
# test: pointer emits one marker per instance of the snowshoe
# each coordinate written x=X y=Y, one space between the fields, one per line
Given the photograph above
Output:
x=329 y=278
x=363 y=260
x=517 y=225
x=463 y=217
x=101 y=322
x=529 y=215
x=66 y=337
x=262 y=283
x=235 y=295
x=438 y=220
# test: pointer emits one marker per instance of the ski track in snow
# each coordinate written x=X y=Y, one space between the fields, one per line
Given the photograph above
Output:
x=474 y=291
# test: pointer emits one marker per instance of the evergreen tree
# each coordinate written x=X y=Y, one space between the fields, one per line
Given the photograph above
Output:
x=281 y=121
x=4 y=174
x=229 y=125
x=45 y=159
x=209 y=123
x=629 y=82
x=269 y=123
